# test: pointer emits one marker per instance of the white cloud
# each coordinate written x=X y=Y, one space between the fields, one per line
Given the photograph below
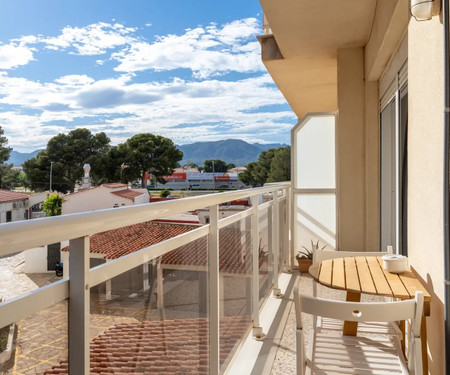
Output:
x=94 y=39
x=12 y=56
x=185 y=111
x=205 y=51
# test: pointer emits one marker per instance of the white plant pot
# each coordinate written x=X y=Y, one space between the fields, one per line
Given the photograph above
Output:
x=395 y=263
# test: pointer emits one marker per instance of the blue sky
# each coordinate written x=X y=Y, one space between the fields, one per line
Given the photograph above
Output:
x=188 y=70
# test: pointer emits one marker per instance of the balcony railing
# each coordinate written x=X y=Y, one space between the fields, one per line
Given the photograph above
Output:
x=263 y=248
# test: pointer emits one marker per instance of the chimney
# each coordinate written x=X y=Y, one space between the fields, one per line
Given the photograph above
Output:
x=86 y=179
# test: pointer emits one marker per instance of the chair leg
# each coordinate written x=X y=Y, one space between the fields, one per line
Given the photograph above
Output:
x=301 y=357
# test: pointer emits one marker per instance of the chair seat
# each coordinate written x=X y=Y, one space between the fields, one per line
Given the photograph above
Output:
x=382 y=328
x=331 y=354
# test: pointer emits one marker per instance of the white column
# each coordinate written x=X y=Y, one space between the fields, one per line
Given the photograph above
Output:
x=79 y=306
x=213 y=276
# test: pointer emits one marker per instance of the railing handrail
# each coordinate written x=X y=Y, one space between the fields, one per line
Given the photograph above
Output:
x=22 y=235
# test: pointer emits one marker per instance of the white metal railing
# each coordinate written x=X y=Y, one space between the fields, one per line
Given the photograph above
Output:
x=18 y=236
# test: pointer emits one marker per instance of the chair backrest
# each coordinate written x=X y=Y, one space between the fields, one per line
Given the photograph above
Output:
x=361 y=311
x=320 y=255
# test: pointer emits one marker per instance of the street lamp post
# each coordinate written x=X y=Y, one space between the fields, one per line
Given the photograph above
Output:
x=51 y=172
x=214 y=181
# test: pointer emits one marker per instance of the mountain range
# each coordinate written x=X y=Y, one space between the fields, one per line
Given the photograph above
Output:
x=233 y=151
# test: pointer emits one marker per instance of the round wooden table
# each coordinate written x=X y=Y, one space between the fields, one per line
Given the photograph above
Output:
x=358 y=275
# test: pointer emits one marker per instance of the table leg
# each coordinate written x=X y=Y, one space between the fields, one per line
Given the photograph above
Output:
x=403 y=331
x=350 y=328
x=423 y=337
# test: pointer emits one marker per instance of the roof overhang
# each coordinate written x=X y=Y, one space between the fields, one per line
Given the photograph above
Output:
x=308 y=35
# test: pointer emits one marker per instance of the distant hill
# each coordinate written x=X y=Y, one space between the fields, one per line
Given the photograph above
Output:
x=229 y=150
x=18 y=158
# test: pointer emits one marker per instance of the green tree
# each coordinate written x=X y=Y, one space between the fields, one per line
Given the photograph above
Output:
x=68 y=152
x=219 y=166
x=273 y=165
x=53 y=205
x=150 y=153
x=247 y=176
x=10 y=178
x=280 y=166
x=4 y=151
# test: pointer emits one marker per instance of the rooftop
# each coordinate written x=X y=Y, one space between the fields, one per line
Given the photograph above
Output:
x=11 y=196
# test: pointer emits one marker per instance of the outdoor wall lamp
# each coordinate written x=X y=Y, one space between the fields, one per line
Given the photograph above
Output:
x=423 y=10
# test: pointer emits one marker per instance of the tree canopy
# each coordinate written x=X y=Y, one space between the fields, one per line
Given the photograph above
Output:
x=68 y=152
x=150 y=153
x=216 y=165
x=273 y=165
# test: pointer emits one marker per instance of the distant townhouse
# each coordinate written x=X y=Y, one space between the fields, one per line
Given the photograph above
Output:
x=13 y=206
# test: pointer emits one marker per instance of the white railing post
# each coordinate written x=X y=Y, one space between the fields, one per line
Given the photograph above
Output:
x=79 y=309
x=276 y=243
x=286 y=228
x=257 y=329
x=214 y=310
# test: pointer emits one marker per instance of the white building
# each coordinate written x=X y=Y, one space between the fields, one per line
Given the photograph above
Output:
x=188 y=181
x=13 y=206
x=104 y=196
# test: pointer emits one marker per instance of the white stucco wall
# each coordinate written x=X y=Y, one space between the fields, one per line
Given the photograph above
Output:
x=35 y=260
x=16 y=213
x=97 y=199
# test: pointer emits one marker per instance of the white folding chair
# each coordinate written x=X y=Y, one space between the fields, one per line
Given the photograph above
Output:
x=376 y=354
x=333 y=324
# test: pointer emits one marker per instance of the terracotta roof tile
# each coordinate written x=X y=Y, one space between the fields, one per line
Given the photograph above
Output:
x=127 y=193
x=11 y=196
x=114 y=185
x=178 y=346
x=119 y=242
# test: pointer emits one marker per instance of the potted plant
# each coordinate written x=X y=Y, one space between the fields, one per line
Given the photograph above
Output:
x=305 y=257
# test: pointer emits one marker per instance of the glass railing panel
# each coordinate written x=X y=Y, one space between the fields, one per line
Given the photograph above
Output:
x=265 y=253
x=37 y=343
x=235 y=265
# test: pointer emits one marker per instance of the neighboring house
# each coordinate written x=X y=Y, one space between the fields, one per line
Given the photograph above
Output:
x=13 y=206
x=45 y=258
x=116 y=243
x=366 y=81
x=237 y=170
x=104 y=196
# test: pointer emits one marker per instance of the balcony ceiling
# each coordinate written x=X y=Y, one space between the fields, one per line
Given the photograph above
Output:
x=308 y=34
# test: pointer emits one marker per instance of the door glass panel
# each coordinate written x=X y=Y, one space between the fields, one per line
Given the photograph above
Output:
x=388 y=177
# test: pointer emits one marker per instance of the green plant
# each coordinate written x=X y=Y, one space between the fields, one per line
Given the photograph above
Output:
x=164 y=193
x=53 y=205
x=308 y=254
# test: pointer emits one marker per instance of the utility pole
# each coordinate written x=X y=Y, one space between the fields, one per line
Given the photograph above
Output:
x=214 y=181
x=51 y=172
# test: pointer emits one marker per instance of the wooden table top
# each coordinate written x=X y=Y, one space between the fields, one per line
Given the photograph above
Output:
x=366 y=275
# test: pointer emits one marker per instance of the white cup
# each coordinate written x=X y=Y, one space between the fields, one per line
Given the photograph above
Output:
x=395 y=263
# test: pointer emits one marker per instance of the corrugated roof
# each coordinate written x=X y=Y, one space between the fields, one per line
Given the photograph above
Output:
x=11 y=196
x=170 y=347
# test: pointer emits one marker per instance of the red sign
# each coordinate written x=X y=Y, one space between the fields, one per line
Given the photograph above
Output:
x=225 y=177
x=175 y=176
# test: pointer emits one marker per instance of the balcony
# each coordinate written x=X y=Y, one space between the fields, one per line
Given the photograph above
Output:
x=191 y=301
